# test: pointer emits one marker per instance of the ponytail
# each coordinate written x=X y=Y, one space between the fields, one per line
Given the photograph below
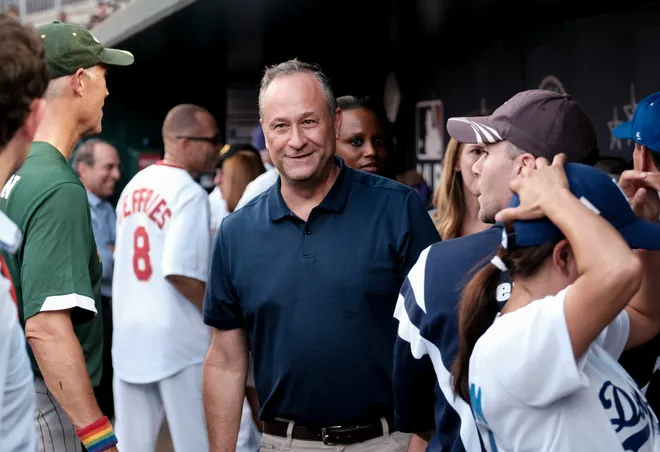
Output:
x=477 y=312
x=479 y=306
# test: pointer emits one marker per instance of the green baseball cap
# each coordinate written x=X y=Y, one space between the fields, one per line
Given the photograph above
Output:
x=71 y=47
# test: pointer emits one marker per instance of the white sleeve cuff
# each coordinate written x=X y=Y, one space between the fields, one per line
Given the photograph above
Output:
x=72 y=300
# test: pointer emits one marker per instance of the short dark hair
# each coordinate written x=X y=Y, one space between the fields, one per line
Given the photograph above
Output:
x=23 y=75
x=347 y=103
x=85 y=153
x=353 y=102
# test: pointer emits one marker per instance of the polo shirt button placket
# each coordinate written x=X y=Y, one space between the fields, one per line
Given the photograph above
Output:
x=308 y=230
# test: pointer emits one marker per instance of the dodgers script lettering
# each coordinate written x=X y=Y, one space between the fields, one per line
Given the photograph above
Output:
x=630 y=416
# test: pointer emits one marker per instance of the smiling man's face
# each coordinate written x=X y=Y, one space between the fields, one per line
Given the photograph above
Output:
x=299 y=129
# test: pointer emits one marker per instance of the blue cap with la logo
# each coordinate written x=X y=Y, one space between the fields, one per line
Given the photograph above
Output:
x=643 y=128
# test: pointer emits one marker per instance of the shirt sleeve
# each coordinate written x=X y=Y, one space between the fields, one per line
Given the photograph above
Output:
x=99 y=236
x=528 y=353
x=221 y=304
x=413 y=374
x=417 y=232
x=615 y=336
x=186 y=249
x=56 y=255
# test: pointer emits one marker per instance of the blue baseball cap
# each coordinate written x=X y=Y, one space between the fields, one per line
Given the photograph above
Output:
x=643 y=128
x=600 y=193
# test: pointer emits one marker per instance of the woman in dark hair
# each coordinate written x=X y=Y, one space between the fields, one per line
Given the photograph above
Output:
x=542 y=374
x=363 y=140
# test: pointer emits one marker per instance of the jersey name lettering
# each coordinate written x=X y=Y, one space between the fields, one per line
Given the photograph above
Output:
x=503 y=292
x=6 y=190
x=147 y=201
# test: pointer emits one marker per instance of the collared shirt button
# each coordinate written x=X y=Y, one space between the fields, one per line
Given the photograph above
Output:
x=308 y=231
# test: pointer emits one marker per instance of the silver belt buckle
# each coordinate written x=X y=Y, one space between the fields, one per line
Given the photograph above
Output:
x=325 y=436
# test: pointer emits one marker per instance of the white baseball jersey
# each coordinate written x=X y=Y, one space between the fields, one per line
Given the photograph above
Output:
x=162 y=229
x=262 y=183
x=529 y=393
x=218 y=208
x=17 y=395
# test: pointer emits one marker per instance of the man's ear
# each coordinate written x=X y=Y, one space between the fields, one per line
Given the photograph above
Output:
x=337 y=122
x=648 y=165
x=78 y=82
x=525 y=160
x=528 y=160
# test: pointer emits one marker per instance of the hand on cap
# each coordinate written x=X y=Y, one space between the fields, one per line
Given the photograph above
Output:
x=533 y=185
x=641 y=188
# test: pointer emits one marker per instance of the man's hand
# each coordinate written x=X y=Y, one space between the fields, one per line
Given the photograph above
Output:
x=533 y=185
x=641 y=188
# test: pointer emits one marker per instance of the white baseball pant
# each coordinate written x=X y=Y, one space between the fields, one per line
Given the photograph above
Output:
x=140 y=408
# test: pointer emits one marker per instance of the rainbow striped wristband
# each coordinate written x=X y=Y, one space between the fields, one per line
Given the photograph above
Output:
x=98 y=436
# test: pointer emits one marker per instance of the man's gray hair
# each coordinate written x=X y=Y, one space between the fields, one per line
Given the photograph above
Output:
x=513 y=151
x=292 y=67
x=85 y=153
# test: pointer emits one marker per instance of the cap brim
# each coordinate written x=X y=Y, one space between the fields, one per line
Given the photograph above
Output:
x=475 y=130
x=623 y=131
x=642 y=234
x=116 y=57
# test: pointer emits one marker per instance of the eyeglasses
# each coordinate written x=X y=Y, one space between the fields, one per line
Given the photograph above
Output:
x=215 y=140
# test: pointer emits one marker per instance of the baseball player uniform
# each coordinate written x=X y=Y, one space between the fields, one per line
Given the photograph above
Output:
x=528 y=391
x=57 y=267
x=17 y=398
x=159 y=340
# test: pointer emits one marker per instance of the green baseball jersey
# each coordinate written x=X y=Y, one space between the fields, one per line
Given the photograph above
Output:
x=57 y=266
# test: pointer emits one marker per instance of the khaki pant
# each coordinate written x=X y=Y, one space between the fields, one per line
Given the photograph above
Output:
x=389 y=442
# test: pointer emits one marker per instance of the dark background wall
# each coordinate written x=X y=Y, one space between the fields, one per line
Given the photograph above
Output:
x=462 y=52
x=595 y=58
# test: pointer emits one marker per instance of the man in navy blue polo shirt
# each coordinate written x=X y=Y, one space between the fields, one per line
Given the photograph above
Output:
x=531 y=124
x=309 y=272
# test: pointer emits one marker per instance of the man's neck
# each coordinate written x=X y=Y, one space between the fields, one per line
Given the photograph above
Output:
x=59 y=129
x=7 y=165
x=301 y=198
x=173 y=159
x=92 y=193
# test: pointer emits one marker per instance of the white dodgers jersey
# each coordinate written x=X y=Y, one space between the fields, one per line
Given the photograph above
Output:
x=163 y=228
x=529 y=393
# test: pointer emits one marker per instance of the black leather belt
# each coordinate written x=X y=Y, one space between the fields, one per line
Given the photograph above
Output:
x=328 y=435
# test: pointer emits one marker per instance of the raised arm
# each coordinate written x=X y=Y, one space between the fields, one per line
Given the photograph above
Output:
x=609 y=272
x=641 y=188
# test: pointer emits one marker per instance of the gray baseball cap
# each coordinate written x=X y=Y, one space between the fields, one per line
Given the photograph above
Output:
x=541 y=122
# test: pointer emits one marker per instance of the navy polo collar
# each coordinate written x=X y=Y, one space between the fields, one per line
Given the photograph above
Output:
x=334 y=201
